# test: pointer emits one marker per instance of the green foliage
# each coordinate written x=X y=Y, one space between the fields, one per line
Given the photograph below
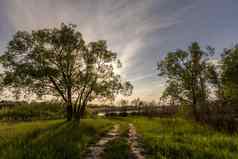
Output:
x=181 y=139
x=187 y=73
x=230 y=73
x=57 y=62
x=50 y=139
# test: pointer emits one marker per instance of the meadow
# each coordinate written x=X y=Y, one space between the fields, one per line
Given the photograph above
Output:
x=177 y=138
x=161 y=138
x=49 y=139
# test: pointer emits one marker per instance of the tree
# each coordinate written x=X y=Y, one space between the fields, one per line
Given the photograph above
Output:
x=172 y=93
x=187 y=76
x=58 y=62
x=230 y=73
x=214 y=77
x=136 y=102
x=123 y=102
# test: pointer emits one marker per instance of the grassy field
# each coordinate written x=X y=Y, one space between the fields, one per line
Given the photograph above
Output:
x=49 y=139
x=162 y=138
x=182 y=139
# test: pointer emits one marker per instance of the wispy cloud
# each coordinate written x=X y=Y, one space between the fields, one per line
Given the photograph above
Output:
x=125 y=24
x=142 y=77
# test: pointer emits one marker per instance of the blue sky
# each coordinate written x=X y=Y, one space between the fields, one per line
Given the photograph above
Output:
x=141 y=31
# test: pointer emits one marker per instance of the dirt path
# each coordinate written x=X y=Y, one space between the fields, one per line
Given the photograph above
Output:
x=134 y=147
x=96 y=151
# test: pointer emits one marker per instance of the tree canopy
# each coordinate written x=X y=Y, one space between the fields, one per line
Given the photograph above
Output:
x=58 y=62
x=230 y=73
x=187 y=73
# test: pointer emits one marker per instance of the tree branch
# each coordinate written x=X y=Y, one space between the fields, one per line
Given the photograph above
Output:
x=57 y=88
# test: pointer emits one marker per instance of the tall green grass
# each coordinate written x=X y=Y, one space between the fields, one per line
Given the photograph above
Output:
x=50 y=139
x=33 y=111
x=181 y=139
x=162 y=138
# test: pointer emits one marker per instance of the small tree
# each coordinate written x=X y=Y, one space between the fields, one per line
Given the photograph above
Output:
x=187 y=74
x=57 y=62
x=123 y=102
x=136 y=102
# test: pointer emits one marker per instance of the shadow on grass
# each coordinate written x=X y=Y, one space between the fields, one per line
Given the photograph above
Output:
x=66 y=140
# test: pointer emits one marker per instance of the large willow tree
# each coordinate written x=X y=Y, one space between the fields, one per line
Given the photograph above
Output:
x=58 y=62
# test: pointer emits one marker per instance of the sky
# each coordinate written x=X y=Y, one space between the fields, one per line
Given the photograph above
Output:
x=140 y=31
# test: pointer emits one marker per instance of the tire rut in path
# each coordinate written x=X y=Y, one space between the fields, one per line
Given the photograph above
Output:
x=134 y=146
x=96 y=151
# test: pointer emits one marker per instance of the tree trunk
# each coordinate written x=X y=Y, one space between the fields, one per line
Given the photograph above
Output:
x=69 y=112
x=82 y=110
x=85 y=102
x=76 y=115
x=69 y=103
x=194 y=104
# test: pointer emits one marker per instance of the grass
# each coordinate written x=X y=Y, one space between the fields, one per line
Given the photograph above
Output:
x=162 y=138
x=50 y=139
x=33 y=111
x=181 y=139
x=118 y=148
